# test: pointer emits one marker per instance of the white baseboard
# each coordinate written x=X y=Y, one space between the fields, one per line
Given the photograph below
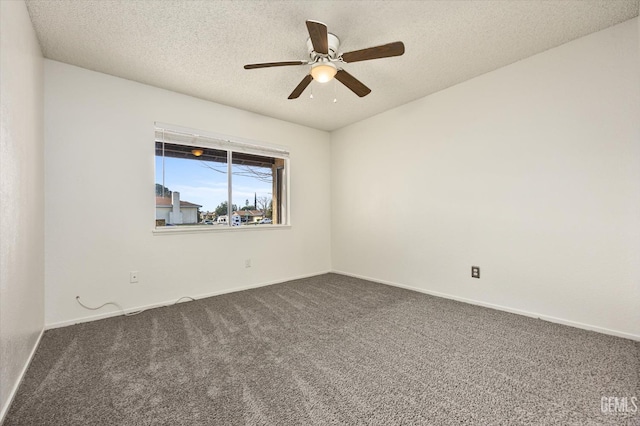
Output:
x=116 y=313
x=16 y=385
x=544 y=317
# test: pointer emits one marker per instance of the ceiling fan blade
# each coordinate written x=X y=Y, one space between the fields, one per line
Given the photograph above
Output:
x=318 y=34
x=383 y=51
x=300 y=88
x=352 y=83
x=274 y=64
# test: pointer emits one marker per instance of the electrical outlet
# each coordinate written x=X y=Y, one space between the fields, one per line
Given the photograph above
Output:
x=247 y=263
x=133 y=277
x=475 y=272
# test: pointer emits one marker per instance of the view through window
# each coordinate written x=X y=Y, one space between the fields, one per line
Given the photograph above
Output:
x=203 y=181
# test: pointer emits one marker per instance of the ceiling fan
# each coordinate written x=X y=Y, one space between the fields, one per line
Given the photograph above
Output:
x=325 y=60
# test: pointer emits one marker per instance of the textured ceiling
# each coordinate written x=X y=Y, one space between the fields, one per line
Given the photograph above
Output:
x=199 y=47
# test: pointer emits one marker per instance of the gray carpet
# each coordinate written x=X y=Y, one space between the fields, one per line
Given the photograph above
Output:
x=326 y=350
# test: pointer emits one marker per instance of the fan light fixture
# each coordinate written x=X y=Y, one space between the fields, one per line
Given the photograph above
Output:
x=323 y=72
x=197 y=152
x=323 y=48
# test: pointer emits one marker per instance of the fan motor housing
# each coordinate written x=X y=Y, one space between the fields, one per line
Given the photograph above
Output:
x=334 y=44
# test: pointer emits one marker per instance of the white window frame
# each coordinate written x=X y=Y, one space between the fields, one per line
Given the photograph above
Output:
x=179 y=135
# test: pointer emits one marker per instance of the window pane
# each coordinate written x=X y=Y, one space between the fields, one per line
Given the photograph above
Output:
x=194 y=181
x=191 y=185
x=252 y=188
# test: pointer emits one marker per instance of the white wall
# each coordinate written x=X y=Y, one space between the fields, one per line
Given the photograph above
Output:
x=21 y=196
x=99 y=153
x=531 y=172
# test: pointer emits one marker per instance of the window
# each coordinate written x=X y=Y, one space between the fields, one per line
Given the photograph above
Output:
x=206 y=181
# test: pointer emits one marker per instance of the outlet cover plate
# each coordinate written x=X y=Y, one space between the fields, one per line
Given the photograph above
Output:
x=475 y=272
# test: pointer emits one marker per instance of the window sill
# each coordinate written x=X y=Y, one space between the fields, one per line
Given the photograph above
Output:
x=204 y=229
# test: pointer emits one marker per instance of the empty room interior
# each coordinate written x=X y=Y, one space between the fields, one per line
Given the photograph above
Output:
x=390 y=212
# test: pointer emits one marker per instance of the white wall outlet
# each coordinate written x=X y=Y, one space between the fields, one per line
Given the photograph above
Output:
x=247 y=263
x=133 y=277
